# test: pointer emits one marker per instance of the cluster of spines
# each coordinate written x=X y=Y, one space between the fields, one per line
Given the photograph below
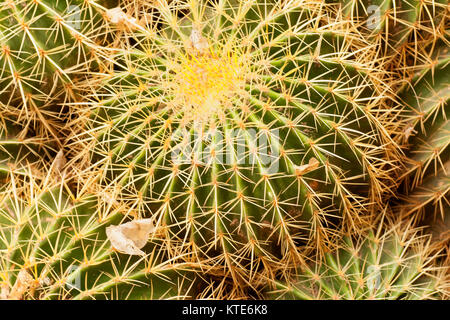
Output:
x=381 y=265
x=54 y=246
x=398 y=28
x=424 y=196
x=393 y=21
x=44 y=47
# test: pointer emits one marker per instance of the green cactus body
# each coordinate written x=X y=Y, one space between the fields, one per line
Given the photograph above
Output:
x=182 y=122
x=43 y=45
x=53 y=247
x=387 y=267
x=16 y=151
x=427 y=183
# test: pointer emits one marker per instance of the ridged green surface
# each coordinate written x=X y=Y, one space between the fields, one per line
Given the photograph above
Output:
x=16 y=150
x=43 y=45
x=61 y=245
x=426 y=98
x=269 y=73
x=377 y=268
x=53 y=245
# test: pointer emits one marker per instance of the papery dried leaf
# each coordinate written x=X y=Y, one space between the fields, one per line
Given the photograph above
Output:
x=130 y=237
x=117 y=16
x=198 y=41
x=313 y=164
x=409 y=131
x=59 y=162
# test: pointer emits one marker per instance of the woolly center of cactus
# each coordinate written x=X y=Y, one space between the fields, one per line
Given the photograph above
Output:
x=206 y=83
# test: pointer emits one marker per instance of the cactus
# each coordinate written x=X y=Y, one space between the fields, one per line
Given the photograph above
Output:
x=179 y=129
x=390 y=265
x=17 y=151
x=54 y=243
x=427 y=132
x=425 y=193
x=43 y=46
x=54 y=246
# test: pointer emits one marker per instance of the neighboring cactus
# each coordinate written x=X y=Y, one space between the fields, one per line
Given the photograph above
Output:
x=17 y=151
x=389 y=266
x=427 y=132
x=55 y=247
x=425 y=193
x=180 y=129
x=439 y=228
x=43 y=44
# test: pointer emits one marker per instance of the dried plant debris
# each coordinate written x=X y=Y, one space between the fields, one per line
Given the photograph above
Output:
x=312 y=165
x=199 y=42
x=130 y=237
x=119 y=17
x=24 y=283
